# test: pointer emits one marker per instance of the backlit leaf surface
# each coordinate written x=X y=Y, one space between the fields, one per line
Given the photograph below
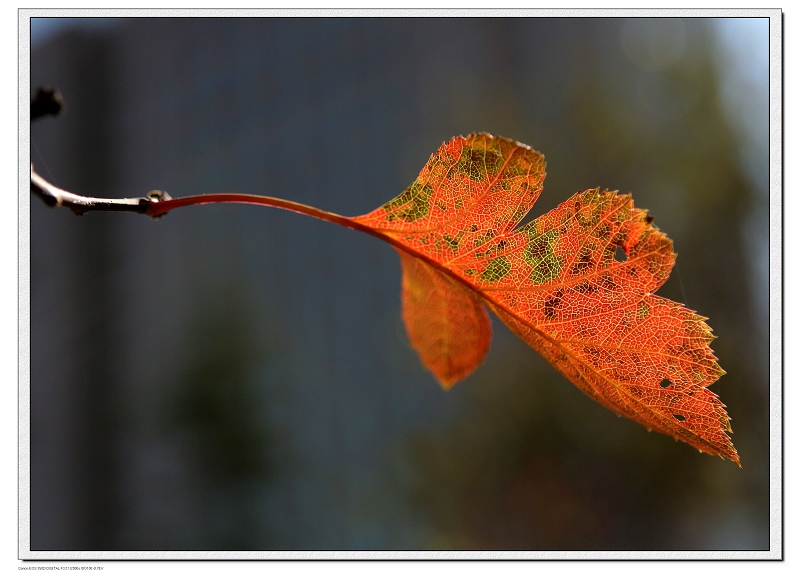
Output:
x=558 y=282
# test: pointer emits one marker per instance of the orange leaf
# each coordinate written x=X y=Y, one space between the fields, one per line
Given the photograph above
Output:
x=556 y=282
x=446 y=322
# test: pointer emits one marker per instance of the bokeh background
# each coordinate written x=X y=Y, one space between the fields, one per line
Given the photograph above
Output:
x=238 y=378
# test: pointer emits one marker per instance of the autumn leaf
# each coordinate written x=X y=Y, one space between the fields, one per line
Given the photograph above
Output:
x=557 y=282
x=576 y=284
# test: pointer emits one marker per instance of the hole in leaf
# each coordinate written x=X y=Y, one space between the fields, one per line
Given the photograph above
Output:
x=665 y=383
x=619 y=255
x=680 y=418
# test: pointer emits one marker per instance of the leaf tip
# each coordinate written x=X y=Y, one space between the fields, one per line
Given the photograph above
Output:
x=446 y=384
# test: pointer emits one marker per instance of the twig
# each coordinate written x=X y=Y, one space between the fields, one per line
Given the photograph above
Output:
x=54 y=196
x=156 y=203
x=48 y=102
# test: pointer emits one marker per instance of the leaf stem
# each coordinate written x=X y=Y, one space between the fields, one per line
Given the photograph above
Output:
x=157 y=208
x=160 y=207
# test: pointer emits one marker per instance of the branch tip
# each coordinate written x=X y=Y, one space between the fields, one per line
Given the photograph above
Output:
x=46 y=102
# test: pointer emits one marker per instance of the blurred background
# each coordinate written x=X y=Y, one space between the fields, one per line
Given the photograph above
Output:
x=238 y=378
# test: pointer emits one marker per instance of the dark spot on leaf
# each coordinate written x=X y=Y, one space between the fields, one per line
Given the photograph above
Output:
x=665 y=383
x=697 y=355
x=620 y=255
x=477 y=162
x=484 y=238
x=680 y=418
x=538 y=248
x=473 y=228
x=605 y=281
x=584 y=262
x=585 y=287
x=451 y=241
x=551 y=305
x=546 y=270
x=648 y=219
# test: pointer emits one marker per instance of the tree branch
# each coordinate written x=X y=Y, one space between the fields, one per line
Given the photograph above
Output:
x=48 y=102
x=156 y=203
x=54 y=196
